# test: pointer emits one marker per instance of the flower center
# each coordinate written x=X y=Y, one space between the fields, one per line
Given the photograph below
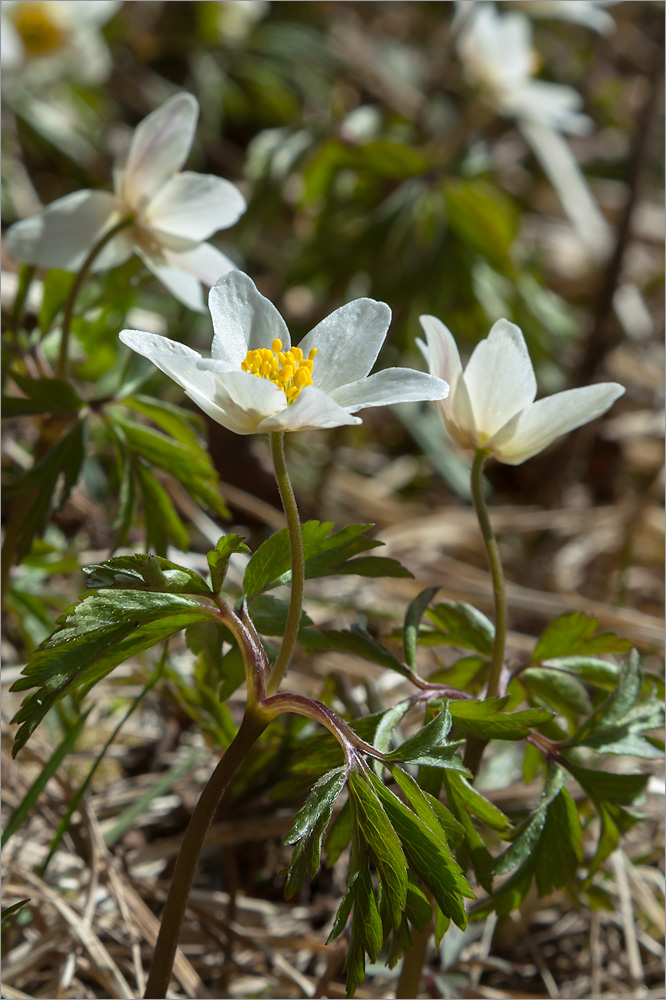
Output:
x=39 y=34
x=288 y=369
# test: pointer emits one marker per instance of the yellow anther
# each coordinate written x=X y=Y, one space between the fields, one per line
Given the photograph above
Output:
x=289 y=370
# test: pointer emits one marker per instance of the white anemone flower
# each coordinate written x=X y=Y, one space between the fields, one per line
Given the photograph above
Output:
x=173 y=212
x=255 y=381
x=45 y=41
x=491 y=404
x=499 y=59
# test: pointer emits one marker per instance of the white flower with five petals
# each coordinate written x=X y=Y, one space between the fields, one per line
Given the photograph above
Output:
x=173 y=212
x=255 y=381
x=491 y=404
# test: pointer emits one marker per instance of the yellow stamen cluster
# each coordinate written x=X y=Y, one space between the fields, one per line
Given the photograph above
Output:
x=39 y=34
x=288 y=369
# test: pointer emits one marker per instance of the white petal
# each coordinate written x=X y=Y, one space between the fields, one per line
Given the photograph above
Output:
x=551 y=104
x=348 y=342
x=194 y=206
x=533 y=430
x=12 y=52
x=204 y=261
x=392 y=385
x=499 y=378
x=66 y=231
x=234 y=420
x=174 y=359
x=243 y=319
x=440 y=351
x=313 y=410
x=159 y=147
x=443 y=359
x=186 y=287
x=239 y=392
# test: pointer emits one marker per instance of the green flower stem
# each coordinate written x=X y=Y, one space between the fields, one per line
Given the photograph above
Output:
x=475 y=745
x=251 y=728
x=82 y=274
x=297 y=563
x=411 y=973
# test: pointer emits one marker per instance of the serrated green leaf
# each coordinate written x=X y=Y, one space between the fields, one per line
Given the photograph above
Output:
x=417 y=908
x=574 y=634
x=427 y=856
x=473 y=843
x=218 y=558
x=166 y=453
x=474 y=802
x=317 y=807
x=356 y=642
x=524 y=846
x=453 y=829
x=413 y=617
x=561 y=845
x=367 y=915
x=382 y=844
x=428 y=746
x=145 y=572
x=324 y=553
x=461 y=624
x=485 y=719
x=623 y=789
x=95 y=635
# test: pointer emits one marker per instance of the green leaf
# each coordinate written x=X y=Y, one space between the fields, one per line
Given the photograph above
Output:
x=124 y=518
x=309 y=827
x=485 y=719
x=42 y=395
x=560 y=691
x=524 y=846
x=48 y=485
x=454 y=830
x=621 y=789
x=475 y=803
x=325 y=554
x=427 y=856
x=218 y=558
x=166 y=453
x=619 y=723
x=357 y=642
x=574 y=634
x=461 y=624
x=561 y=846
x=382 y=844
x=428 y=746
x=417 y=908
x=413 y=617
x=590 y=669
x=162 y=524
x=95 y=635
x=145 y=572
x=177 y=422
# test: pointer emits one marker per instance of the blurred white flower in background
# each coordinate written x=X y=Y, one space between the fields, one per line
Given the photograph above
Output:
x=498 y=58
x=256 y=382
x=236 y=18
x=587 y=12
x=491 y=404
x=45 y=41
x=172 y=212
